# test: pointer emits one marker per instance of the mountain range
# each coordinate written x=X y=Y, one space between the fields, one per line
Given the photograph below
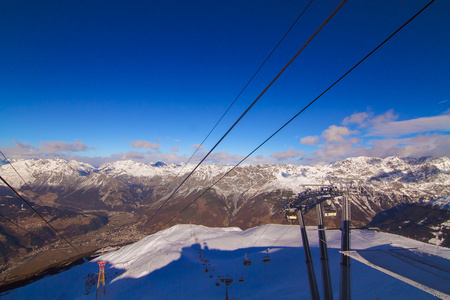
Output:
x=248 y=196
x=117 y=202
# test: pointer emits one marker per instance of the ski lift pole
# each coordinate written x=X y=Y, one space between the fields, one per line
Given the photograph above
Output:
x=344 y=289
x=308 y=259
x=324 y=261
x=227 y=280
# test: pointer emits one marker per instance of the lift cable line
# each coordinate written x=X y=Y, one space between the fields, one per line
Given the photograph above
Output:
x=35 y=194
x=32 y=234
x=15 y=224
x=248 y=83
x=268 y=225
x=40 y=216
x=251 y=105
x=301 y=111
x=15 y=170
x=281 y=236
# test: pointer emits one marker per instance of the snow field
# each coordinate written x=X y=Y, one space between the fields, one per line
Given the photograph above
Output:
x=166 y=265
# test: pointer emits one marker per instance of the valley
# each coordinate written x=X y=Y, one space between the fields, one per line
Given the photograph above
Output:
x=112 y=205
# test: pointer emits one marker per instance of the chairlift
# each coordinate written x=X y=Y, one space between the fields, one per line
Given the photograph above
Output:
x=291 y=214
x=217 y=283
x=247 y=262
x=241 y=279
x=266 y=259
x=329 y=211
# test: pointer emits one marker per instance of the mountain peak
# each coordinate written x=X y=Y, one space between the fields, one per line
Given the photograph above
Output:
x=159 y=164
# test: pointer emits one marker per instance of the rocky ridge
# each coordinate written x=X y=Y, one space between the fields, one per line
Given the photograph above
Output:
x=113 y=203
x=248 y=196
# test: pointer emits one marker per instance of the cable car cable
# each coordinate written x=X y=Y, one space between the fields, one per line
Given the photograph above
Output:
x=12 y=166
x=32 y=234
x=306 y=107
x=281 y=236
x=252 y=104
x=248 y=83
x=14 y=223
x=40 y=216
x=268 y=225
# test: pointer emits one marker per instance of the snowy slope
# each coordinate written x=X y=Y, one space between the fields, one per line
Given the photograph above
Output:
x=165 y=265
x=419 y=177
x=31 y=169
x=236 y=198
x=407 y=172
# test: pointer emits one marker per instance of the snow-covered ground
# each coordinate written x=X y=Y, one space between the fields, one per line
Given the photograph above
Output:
x=166 y=265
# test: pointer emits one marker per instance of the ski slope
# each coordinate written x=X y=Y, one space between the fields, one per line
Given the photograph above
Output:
x=166 y=265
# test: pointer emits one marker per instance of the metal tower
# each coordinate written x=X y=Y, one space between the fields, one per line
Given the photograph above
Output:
x=227 y=280
x=101 y=277
x=295 y=209
x=324 y=261
x=344 y=290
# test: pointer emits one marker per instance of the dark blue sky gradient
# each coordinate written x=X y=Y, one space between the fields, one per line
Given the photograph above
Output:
x=109 y=73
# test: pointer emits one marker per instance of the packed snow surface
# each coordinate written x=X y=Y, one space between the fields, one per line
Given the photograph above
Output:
x=167 y=265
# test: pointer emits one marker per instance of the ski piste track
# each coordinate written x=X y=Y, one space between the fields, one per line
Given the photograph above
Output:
x=408 y=266
x=166 y=265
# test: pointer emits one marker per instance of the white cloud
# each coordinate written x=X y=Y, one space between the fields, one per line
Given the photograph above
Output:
x=54 y=150
x=310 y=140
x=21 y=150
x=260 y=159
x=286 y=155
x=337 y=133
x=358 y=118
x=144 y=145
x=171 y=158
x=422 y=145
x=58 y=146
x=175 y=149
x=333 y=152
x=386 y=117
x=413 y=138
x=133 y=155
x=414 y=126
x=224 y=157
x=198 y=146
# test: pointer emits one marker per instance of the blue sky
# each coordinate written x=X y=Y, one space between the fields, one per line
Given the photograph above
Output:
x=100 y=81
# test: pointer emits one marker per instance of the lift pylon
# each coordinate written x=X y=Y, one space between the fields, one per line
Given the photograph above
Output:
x=227 y=280
x=344 y=290
x=324 y=261
x=308 y=258
x=303 y=203
x=101 y=277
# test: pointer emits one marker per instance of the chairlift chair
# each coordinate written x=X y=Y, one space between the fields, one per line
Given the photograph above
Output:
x=266 y=259
x=217 y=283
x=329 y=211
x=291 y=214
x=247 y=262
x=241 y=279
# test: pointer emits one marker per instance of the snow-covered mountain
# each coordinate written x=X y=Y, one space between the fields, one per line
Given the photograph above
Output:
x=248 y=196
x=424 y=178
x=170 y=264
